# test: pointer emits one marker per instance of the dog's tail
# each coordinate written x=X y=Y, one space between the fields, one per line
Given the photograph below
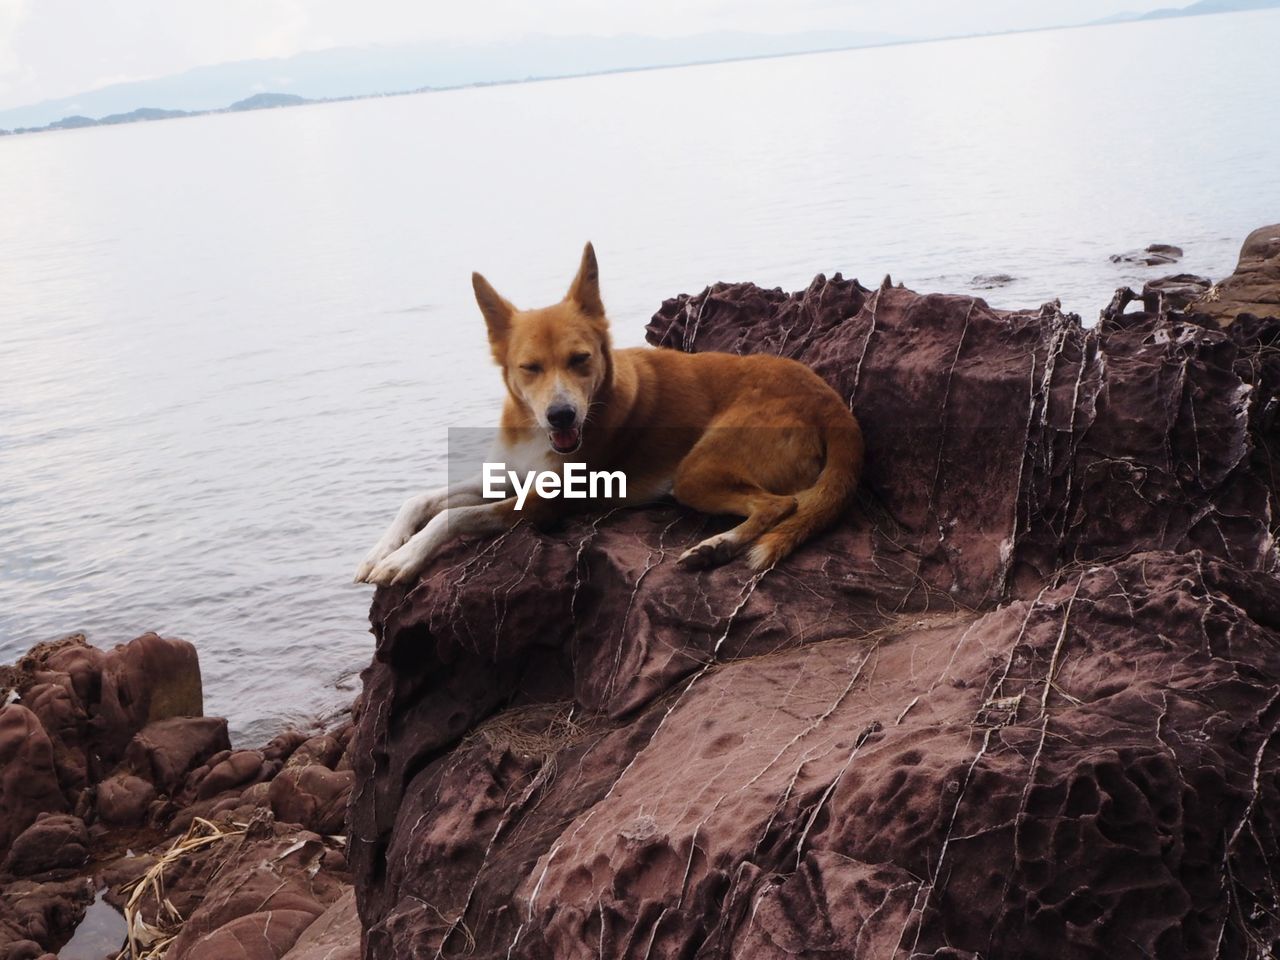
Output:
x=820 y=505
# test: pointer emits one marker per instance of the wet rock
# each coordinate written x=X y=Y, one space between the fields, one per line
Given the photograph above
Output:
x=42 y=913
x=28 y=776
x=1039 y=658
x=165 y=751
x=124 y=799
x=1254 y=287
x=53 y=841
x=312 y=796
x=991 y=281
x=1157 y=254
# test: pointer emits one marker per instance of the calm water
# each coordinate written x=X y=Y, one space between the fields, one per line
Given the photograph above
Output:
x=231 y=345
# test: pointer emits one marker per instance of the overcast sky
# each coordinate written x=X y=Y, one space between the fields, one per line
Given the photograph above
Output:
x=55 y=48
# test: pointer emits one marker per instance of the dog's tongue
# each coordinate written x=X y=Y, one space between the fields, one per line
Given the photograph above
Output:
x=565 y=439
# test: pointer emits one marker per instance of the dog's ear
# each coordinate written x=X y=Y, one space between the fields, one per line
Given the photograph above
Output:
x=497 y=313
x=585 y=289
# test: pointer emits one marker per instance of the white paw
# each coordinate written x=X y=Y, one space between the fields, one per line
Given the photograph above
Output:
x=381 y=550
x=407 y=561
x=399 y=567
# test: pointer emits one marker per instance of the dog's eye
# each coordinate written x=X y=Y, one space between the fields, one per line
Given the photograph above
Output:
x=579 y=359
x=531 y=367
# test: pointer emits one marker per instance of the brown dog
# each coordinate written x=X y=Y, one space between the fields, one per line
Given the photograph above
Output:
x=758 y=437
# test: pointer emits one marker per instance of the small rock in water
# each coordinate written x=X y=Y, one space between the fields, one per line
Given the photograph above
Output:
x=990 y=281
x=1154 y=255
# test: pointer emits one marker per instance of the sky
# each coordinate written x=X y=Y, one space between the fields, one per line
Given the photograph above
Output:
x=56 y=48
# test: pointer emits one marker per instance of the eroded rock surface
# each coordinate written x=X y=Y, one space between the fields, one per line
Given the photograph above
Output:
x=1024 y=701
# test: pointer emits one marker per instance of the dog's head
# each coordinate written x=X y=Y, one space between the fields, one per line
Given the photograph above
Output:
x=554 y=360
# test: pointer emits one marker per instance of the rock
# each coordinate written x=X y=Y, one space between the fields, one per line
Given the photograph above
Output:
x=1173 y=293
x=1157 y=254
x=335 y=934
x=164 y=751
x=1039 y=658
x=323 y=749
x=236 y=770
x=42 y=913
x=313 y=796
x=991 y=281
x=1254 y=287
x=123 y=800
x=65 y=720
x=281 y=747
x=92 y=703
x=272 y=869
x=53 y=841
x=28 y=777
x=145 y=681
x=257 y=936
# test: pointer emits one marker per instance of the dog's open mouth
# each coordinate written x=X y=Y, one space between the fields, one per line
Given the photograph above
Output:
x=566 y=441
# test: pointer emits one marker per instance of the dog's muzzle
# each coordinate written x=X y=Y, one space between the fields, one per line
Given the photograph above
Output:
x=565 y=433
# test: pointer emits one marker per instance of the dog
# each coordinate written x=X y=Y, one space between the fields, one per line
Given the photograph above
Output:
x=758 y=437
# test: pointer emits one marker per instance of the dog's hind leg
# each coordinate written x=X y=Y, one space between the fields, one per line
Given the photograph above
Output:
x=414 y=515
x=706 y=485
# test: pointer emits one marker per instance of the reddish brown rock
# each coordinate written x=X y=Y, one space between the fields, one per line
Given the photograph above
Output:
x=123 y=800
x=324 y=749
x=28 y=776
x=334 y=935
x=233 y=771
x=147 y=680
x=165 y=751
x=43 y=913
x=273 y=868
x=52 y=842
x=281 y=746
x=1022 y=702
x=65 y=720
x=313 y=796
x=256 y=936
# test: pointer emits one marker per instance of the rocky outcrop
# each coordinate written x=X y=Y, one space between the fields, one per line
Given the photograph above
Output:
x=1024 y=701
x=111 y=777
x=1254 y=287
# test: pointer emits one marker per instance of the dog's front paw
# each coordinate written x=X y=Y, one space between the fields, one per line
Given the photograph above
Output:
x=390 y=541
x=400 y=566
x=367 y=565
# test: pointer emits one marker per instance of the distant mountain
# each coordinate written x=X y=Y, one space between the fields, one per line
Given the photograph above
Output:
x=1199 y=9
x=265 y=101
x=143 y=113
x=365 y=71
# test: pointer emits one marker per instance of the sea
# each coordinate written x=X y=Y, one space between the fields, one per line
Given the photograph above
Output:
x=231 y=345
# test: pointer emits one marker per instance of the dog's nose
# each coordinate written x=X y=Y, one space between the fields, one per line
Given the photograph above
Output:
x=561 y=416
